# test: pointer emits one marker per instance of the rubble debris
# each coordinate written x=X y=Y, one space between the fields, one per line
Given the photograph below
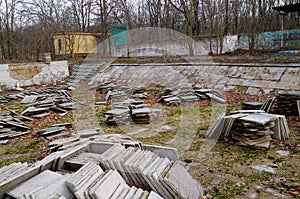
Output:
x=286 y=104
x=251 y=128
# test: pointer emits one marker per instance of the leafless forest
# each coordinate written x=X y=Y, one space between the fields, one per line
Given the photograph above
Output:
x=26 y=27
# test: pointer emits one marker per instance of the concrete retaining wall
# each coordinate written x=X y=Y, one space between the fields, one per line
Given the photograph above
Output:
x=247 y=78
x=19 y=75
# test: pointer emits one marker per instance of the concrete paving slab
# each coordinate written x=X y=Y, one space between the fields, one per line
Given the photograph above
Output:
x=59 y=186
x=34 y=183
x=182 y=183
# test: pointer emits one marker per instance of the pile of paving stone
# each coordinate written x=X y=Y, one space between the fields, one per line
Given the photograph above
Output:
x=127 y=111
x=90 y=181
x=170 y=97
x=94 y=168
x=38 y=103
x=286 y=104
x=251 y=128
x=147 y=170
x=11 y=126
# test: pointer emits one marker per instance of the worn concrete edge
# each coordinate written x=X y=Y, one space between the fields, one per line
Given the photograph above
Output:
x=210 y=64
x=16 y=180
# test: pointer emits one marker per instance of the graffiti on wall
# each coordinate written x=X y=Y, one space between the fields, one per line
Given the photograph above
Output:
x=272 y=40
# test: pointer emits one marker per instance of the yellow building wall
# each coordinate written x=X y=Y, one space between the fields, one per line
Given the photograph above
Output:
x=78 y=43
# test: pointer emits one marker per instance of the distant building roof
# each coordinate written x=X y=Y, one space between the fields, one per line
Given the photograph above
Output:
x=80 y=33
x=288 y=8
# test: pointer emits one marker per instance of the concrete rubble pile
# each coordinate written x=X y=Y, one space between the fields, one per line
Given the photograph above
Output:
x=251 y=128
x=170 y=97
x=286 y=104
x=98 y=168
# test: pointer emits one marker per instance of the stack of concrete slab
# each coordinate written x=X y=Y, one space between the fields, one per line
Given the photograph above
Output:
x=251 y=127
x=119 y=115
x=281 y=129
x=171 y=97
x=210 y=94
x=138 y=92
x=254 y=130
x=90 y=181
x=53 y=132
x=11 y=126
x=139 y=112
x=286 y=104
x=147 y=170
x=187 y=95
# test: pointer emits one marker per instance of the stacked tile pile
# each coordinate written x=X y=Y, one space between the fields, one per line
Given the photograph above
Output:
x=171 y=97
x=118 y=115
x=139 y=112
x=90 y=181
x=123 y=111
x=287 y=104
x=11 y=126
x=138 y=92
x=147 y=170
x=251 y=128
